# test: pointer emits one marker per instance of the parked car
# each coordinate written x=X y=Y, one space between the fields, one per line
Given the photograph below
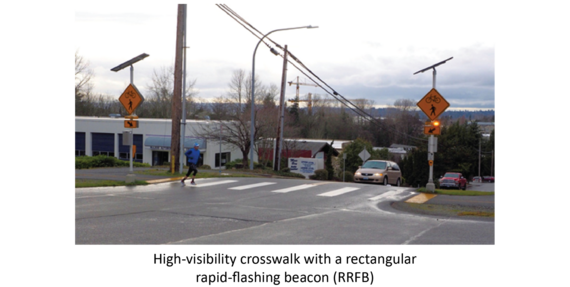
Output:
x=379 y=171
x=476 y=179
x=488 y=178
x=453 y=180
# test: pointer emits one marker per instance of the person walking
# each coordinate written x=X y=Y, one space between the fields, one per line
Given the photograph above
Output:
x=193 y=155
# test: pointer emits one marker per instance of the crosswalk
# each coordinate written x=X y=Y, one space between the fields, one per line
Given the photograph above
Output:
x=392 y=193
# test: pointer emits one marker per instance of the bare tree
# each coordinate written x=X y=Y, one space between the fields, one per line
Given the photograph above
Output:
x=236 y=120
x=405 y=105
x=83 y=76
x=220 y=109
x=158 y=103
x=237 y=90
x=83 y=85
x=406 y=120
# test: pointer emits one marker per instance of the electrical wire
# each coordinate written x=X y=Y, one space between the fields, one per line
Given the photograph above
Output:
x=346 y=102
x=357 y=110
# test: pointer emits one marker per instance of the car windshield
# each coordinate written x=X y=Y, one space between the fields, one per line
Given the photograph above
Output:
x=453 y=175
x=375 y=164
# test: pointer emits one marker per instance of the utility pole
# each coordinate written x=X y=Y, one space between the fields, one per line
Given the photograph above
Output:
x=279 y=140
x=183 y=128
x=176 y=98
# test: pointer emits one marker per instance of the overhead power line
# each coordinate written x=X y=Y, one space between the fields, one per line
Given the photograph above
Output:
x=356 y=109
x=334 y=94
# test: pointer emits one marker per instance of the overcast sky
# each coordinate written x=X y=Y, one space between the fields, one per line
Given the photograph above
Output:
x=368 y=49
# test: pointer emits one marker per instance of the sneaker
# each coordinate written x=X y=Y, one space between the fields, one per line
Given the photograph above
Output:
x=193 y=183
x=182 y=181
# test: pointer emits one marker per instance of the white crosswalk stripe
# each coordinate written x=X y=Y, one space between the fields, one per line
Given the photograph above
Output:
x=390 y=195
x=252 y=185
x=214 y=183
x=293 y=188
x=339 y=191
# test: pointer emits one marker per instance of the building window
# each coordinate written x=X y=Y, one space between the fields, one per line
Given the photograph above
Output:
x=123 y=156
x=226 y=157
x=106 y=153
x=79 y=152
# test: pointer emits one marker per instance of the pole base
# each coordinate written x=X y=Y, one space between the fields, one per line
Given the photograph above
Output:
x=130 y=178
x=430 y=187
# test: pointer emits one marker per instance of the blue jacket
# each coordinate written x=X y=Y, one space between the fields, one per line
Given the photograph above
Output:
x=193 y=155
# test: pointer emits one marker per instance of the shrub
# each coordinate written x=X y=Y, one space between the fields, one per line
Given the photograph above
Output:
x=205 y=167
x=286 y=169
x=348 y=176
x=321 y=174
x=83 y=162
x=232 y=164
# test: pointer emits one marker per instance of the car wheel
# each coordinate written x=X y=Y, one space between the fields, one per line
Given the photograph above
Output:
x=398 y=182
x=385 y=180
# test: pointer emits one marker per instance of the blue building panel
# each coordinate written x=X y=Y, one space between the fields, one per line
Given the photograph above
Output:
x=103 y=142
x=80 y=141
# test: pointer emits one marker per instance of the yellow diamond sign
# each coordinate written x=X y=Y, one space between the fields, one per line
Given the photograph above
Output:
x=131 y=98
x=433 y=104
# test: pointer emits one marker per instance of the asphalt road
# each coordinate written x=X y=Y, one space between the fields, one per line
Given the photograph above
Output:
x=119 y=173
x=263 y=211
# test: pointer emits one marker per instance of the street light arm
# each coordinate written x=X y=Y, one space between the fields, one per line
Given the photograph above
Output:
x=253 y=88
x=264 y=36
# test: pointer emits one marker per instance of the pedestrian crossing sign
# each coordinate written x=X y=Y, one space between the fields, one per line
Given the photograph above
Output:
x=131 y=98
x=433 y=104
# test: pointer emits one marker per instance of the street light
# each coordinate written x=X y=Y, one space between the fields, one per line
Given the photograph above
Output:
x=131 y=62
x=253 y=89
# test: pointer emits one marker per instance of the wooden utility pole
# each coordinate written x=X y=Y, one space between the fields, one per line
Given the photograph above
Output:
x=177 y=95
x=279 y=140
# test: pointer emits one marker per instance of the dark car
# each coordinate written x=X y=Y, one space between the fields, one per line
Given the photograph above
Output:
x=488 y=178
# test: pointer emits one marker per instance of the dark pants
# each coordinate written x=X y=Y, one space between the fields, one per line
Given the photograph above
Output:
x=191 y=167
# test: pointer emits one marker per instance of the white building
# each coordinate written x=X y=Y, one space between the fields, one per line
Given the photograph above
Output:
x=104 y=136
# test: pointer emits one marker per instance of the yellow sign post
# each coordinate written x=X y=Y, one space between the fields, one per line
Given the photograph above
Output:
x=131 y=98
x=433 y=104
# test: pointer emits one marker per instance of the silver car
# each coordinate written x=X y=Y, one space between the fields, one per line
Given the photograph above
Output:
x=379 y=171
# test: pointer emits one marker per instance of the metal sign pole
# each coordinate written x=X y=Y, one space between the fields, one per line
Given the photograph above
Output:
x=131 y=172
x=442 y=104
x=220 y=161
x=131 y=99
x=430 y=185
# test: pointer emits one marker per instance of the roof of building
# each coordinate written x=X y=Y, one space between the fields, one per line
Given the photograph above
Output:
x=314 y=146
x=402 y=146
x=397 y=150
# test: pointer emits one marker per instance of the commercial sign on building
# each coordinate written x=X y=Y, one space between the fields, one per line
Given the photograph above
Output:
x=304 y=166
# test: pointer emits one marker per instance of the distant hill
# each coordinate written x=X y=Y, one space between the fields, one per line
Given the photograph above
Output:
x=474 y=115
x=481 y=115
